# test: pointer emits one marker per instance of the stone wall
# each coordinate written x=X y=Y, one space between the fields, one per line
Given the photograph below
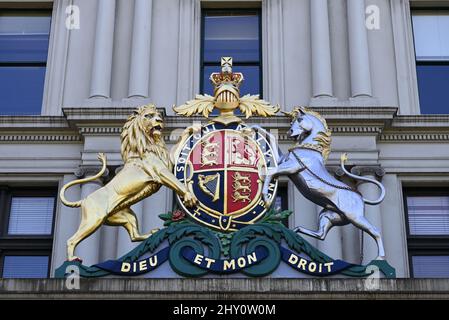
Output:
x=223 y=289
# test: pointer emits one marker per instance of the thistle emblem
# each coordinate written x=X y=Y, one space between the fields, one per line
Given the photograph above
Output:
x=227 y=99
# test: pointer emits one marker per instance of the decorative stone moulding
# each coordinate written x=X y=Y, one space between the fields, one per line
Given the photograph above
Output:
x=375 y=171
x=86 y=171
x=40 y=138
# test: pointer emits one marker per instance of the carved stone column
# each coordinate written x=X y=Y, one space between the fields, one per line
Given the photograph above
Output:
x=321 y=52
x=394 y=226
x=139 y=78
x=104 y=41
x=273 y=51
x=372 y=213
x=359 y=51
x=66 y=223
x=89 y=249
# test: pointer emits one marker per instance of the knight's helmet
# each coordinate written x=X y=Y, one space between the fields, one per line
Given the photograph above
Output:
x=226 y=87
x=227 y=99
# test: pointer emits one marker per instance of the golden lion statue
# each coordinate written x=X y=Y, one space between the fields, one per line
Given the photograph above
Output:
x=147 y=166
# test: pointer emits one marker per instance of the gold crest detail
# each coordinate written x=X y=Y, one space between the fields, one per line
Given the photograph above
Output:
x=227 y=99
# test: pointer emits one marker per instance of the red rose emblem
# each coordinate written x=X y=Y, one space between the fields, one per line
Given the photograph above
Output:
x=178 y=215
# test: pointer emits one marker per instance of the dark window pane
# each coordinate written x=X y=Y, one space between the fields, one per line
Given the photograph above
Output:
x=428 y=215
x=21 y=90
x=23 y=48
x=250 y=85
x=430 y=266
x=25 y=267
x=433 y=83
x=235 y=36
x=31 y=216
x=24 y=36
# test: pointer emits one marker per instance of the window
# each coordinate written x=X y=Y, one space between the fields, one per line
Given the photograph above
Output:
x=430 y=28
x=428 y=232
x=24 y=37
x=26 y=232
x=236 y=34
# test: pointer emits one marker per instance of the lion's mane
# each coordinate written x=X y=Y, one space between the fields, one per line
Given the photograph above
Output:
x=136 y=140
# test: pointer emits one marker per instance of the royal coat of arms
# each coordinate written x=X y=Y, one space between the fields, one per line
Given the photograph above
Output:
x=223 y=167
x=224 y=174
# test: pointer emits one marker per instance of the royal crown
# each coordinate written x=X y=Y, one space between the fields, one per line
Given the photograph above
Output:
x=226 y=75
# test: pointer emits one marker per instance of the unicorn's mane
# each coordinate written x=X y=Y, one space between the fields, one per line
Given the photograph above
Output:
x=322 y=138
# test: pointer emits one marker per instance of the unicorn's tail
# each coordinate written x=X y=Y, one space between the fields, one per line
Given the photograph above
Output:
x=343 y=159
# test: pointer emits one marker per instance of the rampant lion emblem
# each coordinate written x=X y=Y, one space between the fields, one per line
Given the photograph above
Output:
x=147 y=166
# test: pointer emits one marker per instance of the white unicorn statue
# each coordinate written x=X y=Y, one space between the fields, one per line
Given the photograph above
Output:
x=304 y=164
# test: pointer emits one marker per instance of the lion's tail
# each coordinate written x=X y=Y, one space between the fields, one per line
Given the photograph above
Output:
x=76 y=204
x=343 y=158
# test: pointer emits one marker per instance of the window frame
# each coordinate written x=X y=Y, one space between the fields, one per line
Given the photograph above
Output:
x=204 y=64
x=24 y=245
x=424 y=245
x=24 y=253
x=29 y=8
x=413 y=9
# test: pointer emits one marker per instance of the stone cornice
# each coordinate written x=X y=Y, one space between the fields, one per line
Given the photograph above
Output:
x=100 y=130
x=413 y=136
x=357 y=113
x=330 y=113
x=33 y=136
x=348 y=129
x=32 y=122
x=95 y=114
x=37 y=137
x=383 y=122
x=424 y=121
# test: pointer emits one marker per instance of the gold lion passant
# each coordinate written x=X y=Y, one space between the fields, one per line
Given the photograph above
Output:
x=147 y=166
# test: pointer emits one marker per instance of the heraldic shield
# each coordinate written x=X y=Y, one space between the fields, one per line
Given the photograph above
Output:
x=225 y=177
x=224 y=166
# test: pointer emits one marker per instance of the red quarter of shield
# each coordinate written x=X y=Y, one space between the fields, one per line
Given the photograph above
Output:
x=242 y=189
x=208 y=154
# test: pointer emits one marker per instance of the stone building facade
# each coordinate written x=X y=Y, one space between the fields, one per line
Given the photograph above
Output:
x=354 y=61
